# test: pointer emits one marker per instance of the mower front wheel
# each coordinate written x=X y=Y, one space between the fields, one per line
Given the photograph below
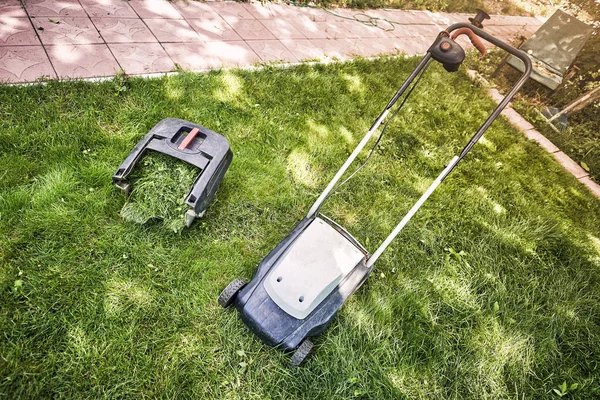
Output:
x=228 y=294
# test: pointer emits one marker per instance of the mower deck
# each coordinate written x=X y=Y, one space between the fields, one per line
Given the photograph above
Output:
x=311 y=268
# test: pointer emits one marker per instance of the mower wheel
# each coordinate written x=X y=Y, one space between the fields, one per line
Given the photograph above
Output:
x=301 y=353
x=228 y=294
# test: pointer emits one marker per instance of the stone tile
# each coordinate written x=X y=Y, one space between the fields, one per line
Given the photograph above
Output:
x=191 y=56
x=108 y=8
x=211 y=54
x=546 y=144
x=210 y=29
x=282 y=29
x=195 y=9
x=569 y=165
x=11 y=9
x=231 y=12
x=310 y=29
x=445 y=19
x=17 y=32
x=377 y=46
x=24 y=64
x=232 y=54
x=517 y=120
x=364 y=31
x=251 y=29
x=412 y=46
x=335 y=30
x=303 y=49
x=406 y=17
x=314 y=14
x=500 y=20
x=67 y=30
x=591 y=185
x=271 y=50
x=172 y=30
x=82 y=61
x=283 y=10
x=54 y=8
x=155 y=9
x=259 y=10
x=427 y=31
x=339 y=48
x=124 y=30
x=146 y=59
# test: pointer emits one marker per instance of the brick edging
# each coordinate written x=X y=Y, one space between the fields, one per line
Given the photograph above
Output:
x=531 y=133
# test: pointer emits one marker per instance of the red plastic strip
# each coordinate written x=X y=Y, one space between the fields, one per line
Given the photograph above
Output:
x=188 y=139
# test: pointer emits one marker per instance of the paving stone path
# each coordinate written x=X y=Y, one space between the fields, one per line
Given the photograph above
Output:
x=96 y=38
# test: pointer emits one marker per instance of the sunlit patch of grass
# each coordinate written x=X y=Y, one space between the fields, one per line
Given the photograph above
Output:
x=354 y=83
x=499 y=351
x=230 y=88
x=122 y=294
x=302 y=169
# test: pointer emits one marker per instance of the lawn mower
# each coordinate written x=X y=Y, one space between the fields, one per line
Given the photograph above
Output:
x=301 y=284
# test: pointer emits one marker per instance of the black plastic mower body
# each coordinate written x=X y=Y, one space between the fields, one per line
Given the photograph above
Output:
x=189 y=142
x=274 y=326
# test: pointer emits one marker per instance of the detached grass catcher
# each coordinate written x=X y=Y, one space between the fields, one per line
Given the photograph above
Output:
x=194 y=144
x=300 y=285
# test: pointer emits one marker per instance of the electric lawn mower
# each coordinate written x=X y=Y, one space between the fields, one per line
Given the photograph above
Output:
x=300 y=285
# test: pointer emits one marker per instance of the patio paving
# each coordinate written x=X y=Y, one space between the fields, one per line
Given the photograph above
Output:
x=91 y=38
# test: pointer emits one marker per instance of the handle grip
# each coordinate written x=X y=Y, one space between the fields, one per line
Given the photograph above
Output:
x=472 y=37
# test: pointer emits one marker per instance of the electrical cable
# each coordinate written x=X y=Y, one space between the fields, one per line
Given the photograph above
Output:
x=414 y=85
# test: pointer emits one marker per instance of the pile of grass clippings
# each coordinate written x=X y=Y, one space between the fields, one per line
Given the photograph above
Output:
x=159 y=186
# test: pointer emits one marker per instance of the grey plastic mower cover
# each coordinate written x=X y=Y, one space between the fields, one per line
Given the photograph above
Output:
x=194 y=144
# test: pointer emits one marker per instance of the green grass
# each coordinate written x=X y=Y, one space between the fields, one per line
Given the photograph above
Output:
x=159 y=186
x=492 y=291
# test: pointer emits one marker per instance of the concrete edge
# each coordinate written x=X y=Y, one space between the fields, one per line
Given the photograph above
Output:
x=531 y=133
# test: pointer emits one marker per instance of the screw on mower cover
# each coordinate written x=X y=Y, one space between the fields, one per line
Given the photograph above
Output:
x=194 y=144
x=299 y=286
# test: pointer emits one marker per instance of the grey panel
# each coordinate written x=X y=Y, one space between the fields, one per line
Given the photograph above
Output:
x=553 y=48
x=558 y=41
x=312 y=267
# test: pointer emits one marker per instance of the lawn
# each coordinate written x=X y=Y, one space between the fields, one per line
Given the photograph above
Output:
x=492 y=291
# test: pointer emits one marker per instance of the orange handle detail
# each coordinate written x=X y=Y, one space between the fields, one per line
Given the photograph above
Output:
x=472 y=37
x=188 y=139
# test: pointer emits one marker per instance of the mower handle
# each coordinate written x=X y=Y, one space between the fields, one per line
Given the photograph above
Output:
x=422 y=64
x=472 y=37
x=495 y=41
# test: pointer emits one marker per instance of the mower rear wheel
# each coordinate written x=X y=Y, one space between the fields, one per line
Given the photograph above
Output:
x=301 y=353
x=228 y=294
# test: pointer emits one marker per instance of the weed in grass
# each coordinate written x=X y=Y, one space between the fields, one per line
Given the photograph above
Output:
x=160 y=184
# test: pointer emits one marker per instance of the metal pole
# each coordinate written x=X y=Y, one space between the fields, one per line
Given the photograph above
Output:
x=411 y=212
x=523 y=56
x=315 y=208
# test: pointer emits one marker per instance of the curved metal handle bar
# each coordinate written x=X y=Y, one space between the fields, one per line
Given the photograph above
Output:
x=452 y=164
x=472 y=37
x=509 y=96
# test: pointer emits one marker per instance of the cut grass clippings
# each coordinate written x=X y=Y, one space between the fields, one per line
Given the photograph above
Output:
x=492 y=291
x=159 y=186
